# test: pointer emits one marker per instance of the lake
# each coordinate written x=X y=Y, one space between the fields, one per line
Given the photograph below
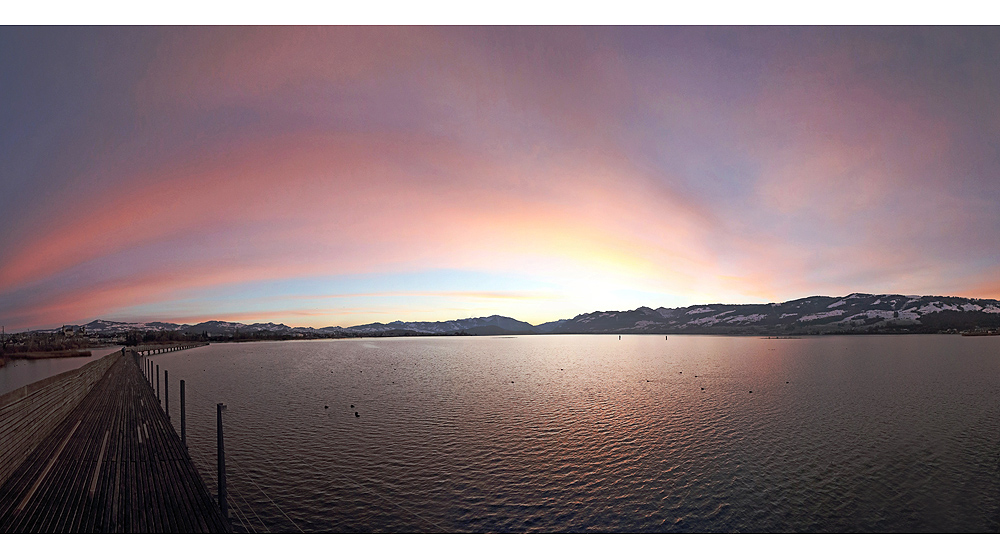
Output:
x=22 y=372
x=596 y=434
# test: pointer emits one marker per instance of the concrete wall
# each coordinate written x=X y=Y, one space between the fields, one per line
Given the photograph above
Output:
x=32 y=412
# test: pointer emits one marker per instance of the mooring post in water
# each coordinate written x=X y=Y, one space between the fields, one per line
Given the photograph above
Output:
x=223 y=506
x=183 y=425
x=166 y=393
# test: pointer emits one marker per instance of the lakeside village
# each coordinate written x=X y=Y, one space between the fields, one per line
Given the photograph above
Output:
x=76 y=341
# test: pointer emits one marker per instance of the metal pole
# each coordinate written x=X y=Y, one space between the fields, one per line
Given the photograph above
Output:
x=222 y=464
x=183 y=424
x=166 y=393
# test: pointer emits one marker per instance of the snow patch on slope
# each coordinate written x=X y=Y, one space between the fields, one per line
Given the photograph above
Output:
x=750 y=318
x=885 y=315
x=936 y=307
x=821 y=315
x=700 y=311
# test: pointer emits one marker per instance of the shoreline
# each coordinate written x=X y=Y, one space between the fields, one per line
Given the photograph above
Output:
x=32 y=355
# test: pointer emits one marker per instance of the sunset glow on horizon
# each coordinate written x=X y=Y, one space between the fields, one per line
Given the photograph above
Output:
x=337 y=176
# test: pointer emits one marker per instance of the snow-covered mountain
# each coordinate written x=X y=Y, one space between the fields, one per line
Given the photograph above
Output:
x=213 y=327
x=108 y=327
x=855 y=313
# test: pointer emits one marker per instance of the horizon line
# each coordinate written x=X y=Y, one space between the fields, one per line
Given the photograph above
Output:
x=185 y=323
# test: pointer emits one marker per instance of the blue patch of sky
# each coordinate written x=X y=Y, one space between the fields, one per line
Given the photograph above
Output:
x=392 y=296
x=370 y=290
x=414 y=282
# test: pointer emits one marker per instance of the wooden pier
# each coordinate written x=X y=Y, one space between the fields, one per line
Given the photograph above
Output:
x=113 y=465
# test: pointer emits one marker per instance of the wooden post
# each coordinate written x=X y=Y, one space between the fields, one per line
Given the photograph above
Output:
x=183 y=418
x=158 y=384
x=223 y=505
x=166 y=393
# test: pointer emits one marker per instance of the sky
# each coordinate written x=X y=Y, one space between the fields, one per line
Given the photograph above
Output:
x=322 y=176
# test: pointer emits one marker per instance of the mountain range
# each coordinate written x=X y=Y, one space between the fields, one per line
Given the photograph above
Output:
x=858 y=313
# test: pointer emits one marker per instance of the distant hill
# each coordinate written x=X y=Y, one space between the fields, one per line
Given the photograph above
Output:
x=495 y=323
x=858 y=313
x=855 y=313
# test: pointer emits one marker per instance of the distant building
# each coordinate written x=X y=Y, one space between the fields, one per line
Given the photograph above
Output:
x=71 y=331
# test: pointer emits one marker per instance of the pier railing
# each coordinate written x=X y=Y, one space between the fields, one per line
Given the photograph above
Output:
x=154 y=349
x=151 y=372
x=140 y=480
x=29 y=414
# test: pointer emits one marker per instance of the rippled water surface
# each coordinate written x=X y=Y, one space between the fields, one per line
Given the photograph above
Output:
x=597 y=434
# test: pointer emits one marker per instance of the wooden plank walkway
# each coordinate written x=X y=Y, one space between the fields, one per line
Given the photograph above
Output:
x=114 y=465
